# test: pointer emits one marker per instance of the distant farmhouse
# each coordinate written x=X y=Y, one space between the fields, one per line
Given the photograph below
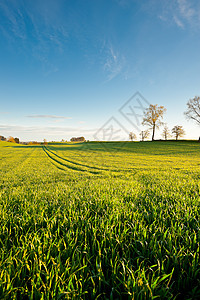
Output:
x=78 y=139
x=2 y=138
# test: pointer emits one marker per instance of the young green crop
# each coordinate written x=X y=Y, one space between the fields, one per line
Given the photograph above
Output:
x=100 y=221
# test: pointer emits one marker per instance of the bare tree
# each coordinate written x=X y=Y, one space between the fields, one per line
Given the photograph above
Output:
x=152 y=117
x=144 y=134
x=132 y=136
x=178 y=131
x=193 y=109
x=166 y=133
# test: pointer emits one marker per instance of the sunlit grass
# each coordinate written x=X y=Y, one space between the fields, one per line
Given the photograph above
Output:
x=93 y=220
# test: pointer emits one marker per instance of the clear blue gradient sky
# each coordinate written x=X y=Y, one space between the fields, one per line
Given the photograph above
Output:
x=67 y=66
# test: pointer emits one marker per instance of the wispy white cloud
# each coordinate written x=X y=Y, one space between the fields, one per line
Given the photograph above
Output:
x=186 y=9
x=23 y=22
x=40 y=132
x=19 y=15
x=15 y=21
x=44 y=129
x=124 y=3
x=178 y=22
x=48 y=117
x=113 y=63
x=44 y=29
x=181 y=12
x=162 y=17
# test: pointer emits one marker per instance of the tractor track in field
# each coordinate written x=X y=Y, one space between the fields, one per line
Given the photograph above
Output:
x=63 y=166
x=75 y=163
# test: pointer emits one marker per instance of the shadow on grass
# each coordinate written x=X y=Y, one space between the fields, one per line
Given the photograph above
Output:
x=72 y=162
x=27 y=146
x=157 y=147
x=66 y=165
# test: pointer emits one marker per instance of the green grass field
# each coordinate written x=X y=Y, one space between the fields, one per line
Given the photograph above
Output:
x=100 y=221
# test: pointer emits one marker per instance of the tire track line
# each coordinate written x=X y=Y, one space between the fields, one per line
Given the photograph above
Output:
x=76 y=163
x=62 y=164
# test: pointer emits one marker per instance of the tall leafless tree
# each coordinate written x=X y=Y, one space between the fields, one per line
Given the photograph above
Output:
x=132 y=136
x=166 y=133
x=193 y=109
x=144 y=134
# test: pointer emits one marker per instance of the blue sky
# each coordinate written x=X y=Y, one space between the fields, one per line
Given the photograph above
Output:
x=67 y=67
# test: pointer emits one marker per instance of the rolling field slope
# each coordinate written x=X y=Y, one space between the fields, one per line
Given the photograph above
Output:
x=100 y=220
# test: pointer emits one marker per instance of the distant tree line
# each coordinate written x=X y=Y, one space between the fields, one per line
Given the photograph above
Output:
x=16 y=140
x=32 y=143
x=153 y=119
x=9 y=139
x=77 y=139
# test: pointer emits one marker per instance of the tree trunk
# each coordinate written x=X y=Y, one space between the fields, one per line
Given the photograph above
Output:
x=153 y=132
